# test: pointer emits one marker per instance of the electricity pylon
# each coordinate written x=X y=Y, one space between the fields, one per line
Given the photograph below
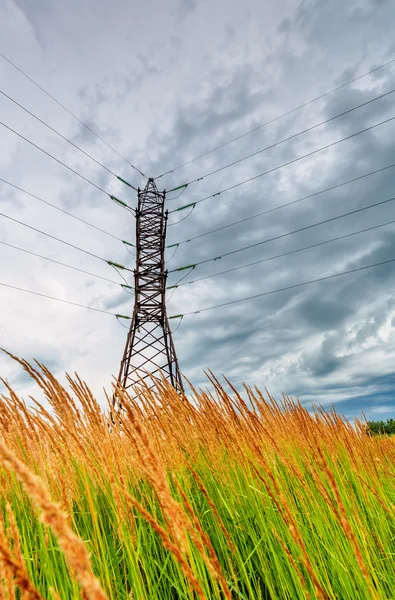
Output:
x=149 y=349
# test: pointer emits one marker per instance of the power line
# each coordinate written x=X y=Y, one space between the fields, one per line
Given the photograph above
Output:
x=279 y=117
x=64 y=211
x=289 y=287
x=58 y=133
x=72 y=114
x=290 y=162
x=257 y=262
x=270 y=210
x=180 y=221
x=209 y=307
x=58 y=262
x=283 y=235
x=64 y=242
x=64 y=164
x=106 y=312
x=287 y=139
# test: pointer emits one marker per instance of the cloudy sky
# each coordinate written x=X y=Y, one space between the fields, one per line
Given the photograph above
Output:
x=163 y=83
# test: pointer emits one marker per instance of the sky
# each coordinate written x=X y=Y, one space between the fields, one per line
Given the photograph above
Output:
x=163 y=83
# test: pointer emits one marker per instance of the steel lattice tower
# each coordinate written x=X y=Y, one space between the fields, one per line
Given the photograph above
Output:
x=149 y=349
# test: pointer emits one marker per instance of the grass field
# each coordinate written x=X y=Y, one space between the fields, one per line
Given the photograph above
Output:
x=211 y=499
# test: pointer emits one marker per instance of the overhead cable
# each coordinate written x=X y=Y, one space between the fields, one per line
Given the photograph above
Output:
x=65 y=212
x=71 y=114
x=287 y=139
x=106 y=312
x=59 y=134
x=115 y=199
x=283 y=235
x=109 y=262
x=339 y=87
x=283 y=289
x=258 y=262
x=270 y=210
x=290 y=162
x=290 y=287
x=181 y=220
x=58 y=262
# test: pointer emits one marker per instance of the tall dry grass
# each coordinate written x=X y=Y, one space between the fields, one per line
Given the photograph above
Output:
x=212 y=498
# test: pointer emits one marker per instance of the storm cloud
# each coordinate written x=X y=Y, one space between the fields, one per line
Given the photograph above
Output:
x=164 y=83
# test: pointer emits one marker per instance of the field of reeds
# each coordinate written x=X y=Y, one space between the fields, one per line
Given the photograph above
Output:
x=207 y=498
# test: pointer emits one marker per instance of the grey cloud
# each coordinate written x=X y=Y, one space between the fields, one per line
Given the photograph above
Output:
x=324 y=361
x=117 y=300
x=95 y=96
x=51 y=357
x=186 y=8
x=163 y=102
x=322 y=313
x=223 y=106
x=35 y=13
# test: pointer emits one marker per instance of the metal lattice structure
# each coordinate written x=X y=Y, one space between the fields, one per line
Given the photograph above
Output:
x=149 y=349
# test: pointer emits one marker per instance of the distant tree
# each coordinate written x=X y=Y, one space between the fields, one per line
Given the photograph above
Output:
x=381 y=427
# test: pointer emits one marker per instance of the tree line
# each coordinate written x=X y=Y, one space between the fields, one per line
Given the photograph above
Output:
x=381 y=427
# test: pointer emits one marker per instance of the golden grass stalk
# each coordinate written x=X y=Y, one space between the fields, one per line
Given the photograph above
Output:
x=73 y=548
x=157 y=477
x=176 y=517
x=17 y=569
x=211 y=560
x=7 y=588
x=345 y=523
x=286 y=513
x=167 y=543
x=293 y=563
x=212 y=506
x=252 y=466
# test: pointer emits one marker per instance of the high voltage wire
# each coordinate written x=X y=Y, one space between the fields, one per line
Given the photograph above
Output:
x=283 y=235
x=109 y=262
x=58 y=133
x=193 y=204
x=72 y=114
x=70 y=168
x=258 y=262
x=270 y=210
x=287 y=139
x=106 y=312
x=290 y=162
x=180 y=221
x=289 y=287
x=65 y=212
x=58 y=262
x=278 y=118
